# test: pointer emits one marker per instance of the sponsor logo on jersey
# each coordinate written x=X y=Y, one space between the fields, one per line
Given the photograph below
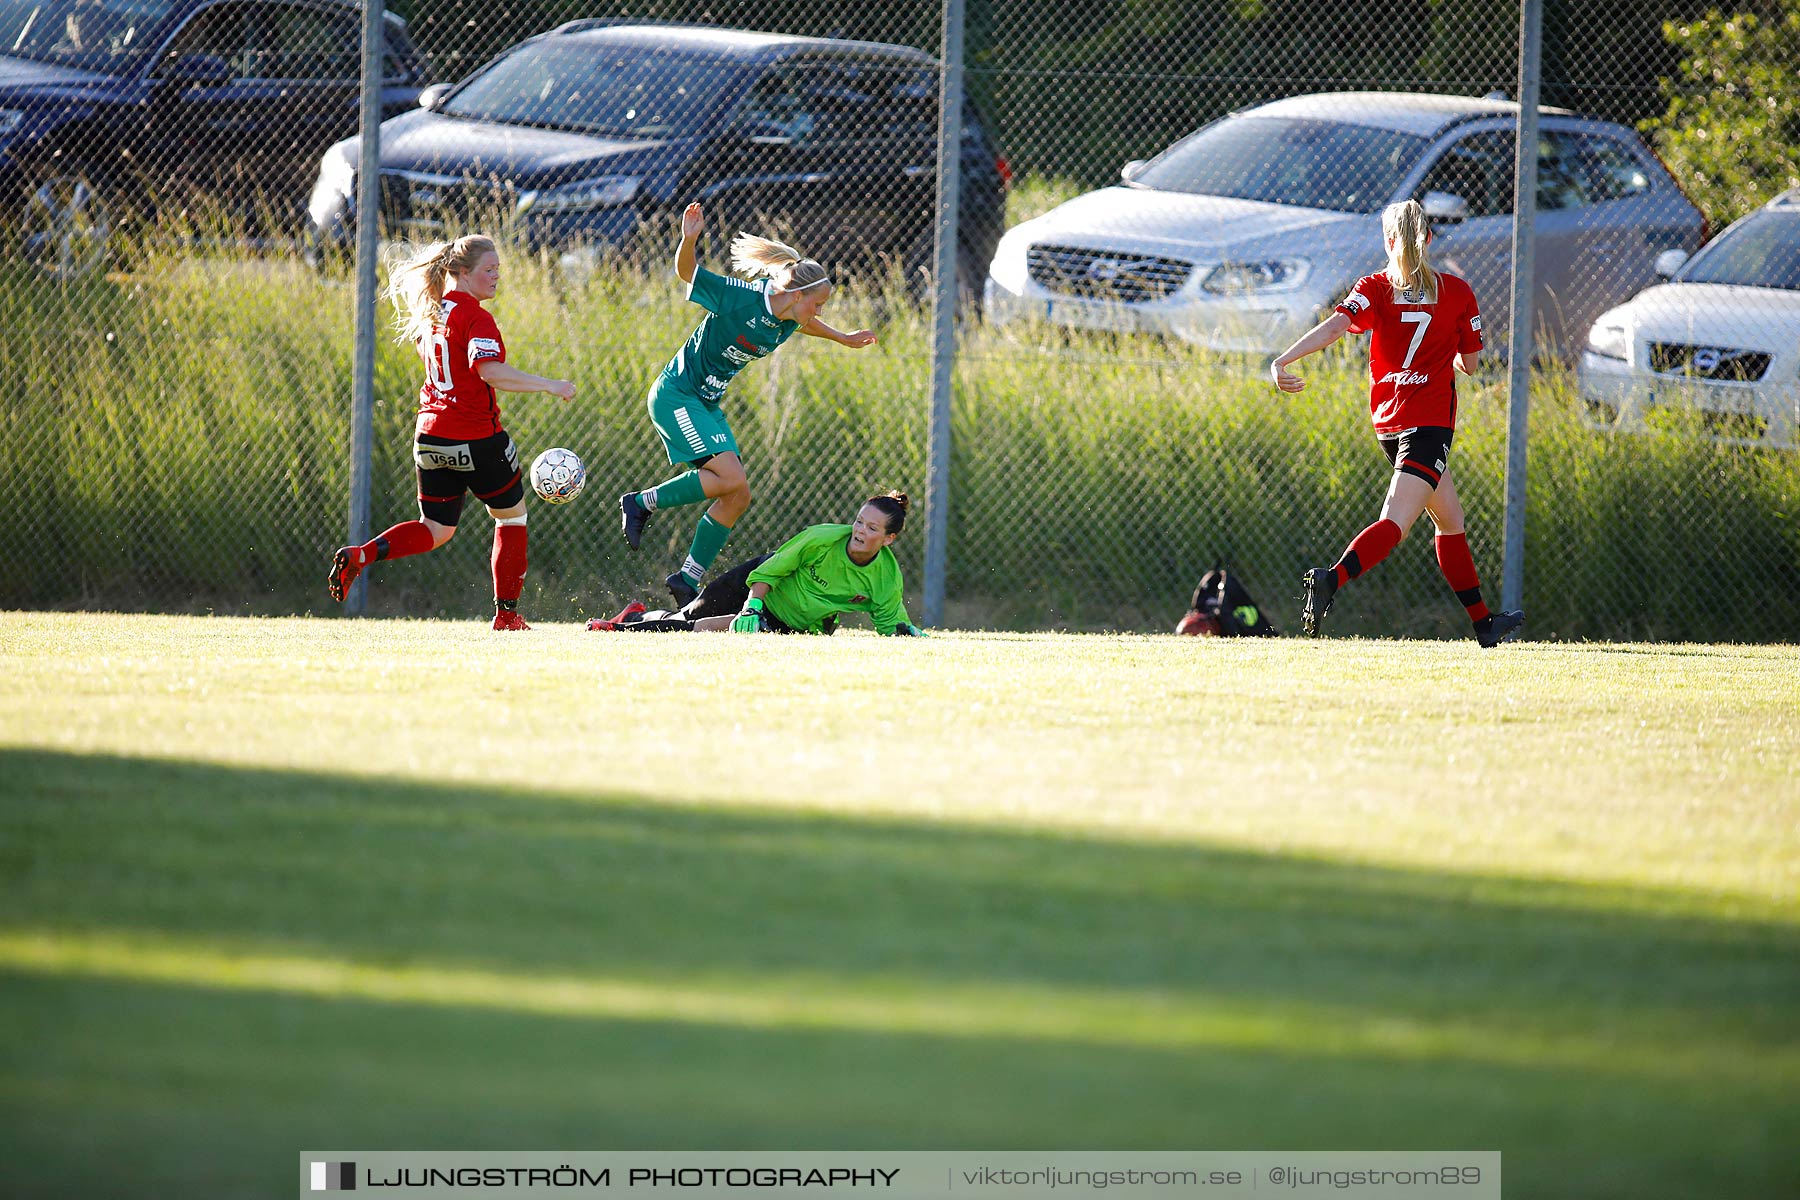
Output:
x=480 y=348
x=719 y=439
x=750 y=347
x=1475 y=323
x=733 y=354
x=859 y=599
x=1406 y=378
x=714 y=381
x=1356 y=301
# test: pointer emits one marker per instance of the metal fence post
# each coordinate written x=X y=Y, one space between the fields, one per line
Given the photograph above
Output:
x=943 y=339
x=362 y=386
x=1512 y=579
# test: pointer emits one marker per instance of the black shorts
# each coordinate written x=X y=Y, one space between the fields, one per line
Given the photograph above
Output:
x=723 y=596
x=488 y=466
x=1423 y=452
x=726 y=595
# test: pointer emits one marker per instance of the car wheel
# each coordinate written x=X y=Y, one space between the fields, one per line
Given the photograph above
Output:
x=68 y=222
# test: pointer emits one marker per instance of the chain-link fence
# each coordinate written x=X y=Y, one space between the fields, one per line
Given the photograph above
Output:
x=1156 y=198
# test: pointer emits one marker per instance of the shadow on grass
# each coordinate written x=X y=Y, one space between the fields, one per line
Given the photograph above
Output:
x=205 y=968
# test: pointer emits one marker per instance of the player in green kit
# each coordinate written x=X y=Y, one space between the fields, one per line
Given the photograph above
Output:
x=744 y=321
x=816 y=576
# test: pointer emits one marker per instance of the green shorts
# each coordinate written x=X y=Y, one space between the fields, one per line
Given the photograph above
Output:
x=690 y=430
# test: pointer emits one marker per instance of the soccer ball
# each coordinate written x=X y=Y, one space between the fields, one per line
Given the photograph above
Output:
x=558 y=476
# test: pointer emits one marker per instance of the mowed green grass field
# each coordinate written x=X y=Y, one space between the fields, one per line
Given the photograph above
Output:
x=268 y=885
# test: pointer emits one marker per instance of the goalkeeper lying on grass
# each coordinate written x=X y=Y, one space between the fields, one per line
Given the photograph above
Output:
x=819 y=573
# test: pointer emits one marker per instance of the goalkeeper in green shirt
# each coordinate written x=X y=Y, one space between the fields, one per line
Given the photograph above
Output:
x=744 y=321
x=816 y=576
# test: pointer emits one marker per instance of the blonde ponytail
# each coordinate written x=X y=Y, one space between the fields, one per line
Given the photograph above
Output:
x=416 y=284
x=752 y=256
x=1405 y=229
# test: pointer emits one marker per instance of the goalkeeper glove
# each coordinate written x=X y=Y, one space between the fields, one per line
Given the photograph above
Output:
x=909 y=631
x=750 y=620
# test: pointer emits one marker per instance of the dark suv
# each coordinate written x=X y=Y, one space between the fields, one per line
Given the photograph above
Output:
x=109 y=106
x=594 y=131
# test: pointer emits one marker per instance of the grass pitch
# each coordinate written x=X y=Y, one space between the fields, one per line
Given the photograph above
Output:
x=269 y=885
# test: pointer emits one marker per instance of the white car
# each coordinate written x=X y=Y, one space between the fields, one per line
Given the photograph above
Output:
x=1239 y=236
x=1721 y=337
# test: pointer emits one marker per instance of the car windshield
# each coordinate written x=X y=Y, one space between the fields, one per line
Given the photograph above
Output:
x=1763 y=250
x=572 y=84
x=96 y=35
x=1288 y=160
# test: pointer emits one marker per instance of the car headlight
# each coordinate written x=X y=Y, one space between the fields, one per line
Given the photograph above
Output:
x=1610 y=341
x=1233 y=278
x=10 y=119
x=605 y=192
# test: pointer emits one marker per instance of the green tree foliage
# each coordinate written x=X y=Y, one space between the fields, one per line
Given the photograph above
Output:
x=1731 y=132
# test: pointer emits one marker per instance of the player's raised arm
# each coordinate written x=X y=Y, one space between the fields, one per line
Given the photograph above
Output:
x=686 y=257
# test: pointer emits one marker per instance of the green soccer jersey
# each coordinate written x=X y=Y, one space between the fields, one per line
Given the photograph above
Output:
x=738 y=327
x=811 y=577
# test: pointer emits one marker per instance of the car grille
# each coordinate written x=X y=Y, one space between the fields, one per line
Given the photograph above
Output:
x=435 y=203
x=1708 y=362
x=1132 y=278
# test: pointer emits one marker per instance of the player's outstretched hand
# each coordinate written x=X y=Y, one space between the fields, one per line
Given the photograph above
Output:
x=750 y=620
x=856 y=339
x=562 y=387
x=1285 y=379
x=692 y=221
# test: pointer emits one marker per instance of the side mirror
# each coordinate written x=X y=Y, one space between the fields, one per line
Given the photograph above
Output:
x=205 y=70
x=1129 y=171
x=1670 y=261
x=1445 y=208
x=431 y=97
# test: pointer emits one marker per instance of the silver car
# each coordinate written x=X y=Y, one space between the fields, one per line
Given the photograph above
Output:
x=1721 y=338
x=1239 y=236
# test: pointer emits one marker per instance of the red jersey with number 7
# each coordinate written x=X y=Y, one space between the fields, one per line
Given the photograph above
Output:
x=1412 y=355
x=454 y=401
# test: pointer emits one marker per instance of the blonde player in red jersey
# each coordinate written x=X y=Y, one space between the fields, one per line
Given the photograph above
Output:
x=1425 y=327
x=459 y=445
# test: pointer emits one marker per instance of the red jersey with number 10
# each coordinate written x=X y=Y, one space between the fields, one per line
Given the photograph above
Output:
x=455 y=401
x=1412 y=355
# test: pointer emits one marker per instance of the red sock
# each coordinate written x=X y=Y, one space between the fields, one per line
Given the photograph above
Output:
x=408 y=537
x=1369 y=547
x=509 y=561
x=1458 y=567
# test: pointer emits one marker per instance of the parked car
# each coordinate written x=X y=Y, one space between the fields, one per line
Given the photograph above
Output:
x=1722 y=337
x=108 y=106
x=1240 y=235
x=590 y=133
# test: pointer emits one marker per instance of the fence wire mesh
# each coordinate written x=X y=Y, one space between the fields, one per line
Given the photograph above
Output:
x=1157 y=197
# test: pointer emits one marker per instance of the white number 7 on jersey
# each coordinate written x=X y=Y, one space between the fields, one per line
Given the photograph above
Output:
x=1423 y=321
